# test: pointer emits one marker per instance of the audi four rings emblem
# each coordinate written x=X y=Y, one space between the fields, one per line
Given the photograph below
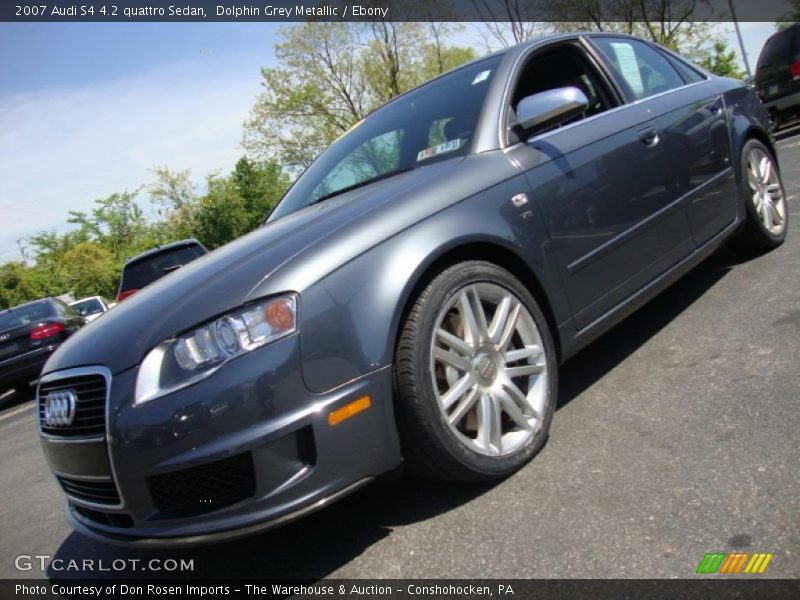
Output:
x=59 y=408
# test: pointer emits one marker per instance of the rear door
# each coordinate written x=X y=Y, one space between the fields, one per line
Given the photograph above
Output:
x=691 y=119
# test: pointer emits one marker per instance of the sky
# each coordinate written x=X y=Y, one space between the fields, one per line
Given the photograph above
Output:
x=87 y=109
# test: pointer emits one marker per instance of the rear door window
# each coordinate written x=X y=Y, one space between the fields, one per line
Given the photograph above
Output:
x=644 y=70
x=145 y=271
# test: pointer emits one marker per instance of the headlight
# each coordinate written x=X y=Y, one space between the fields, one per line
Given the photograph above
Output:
x=177 y=363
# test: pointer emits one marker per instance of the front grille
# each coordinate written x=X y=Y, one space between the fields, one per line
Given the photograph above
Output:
x=104 y=518
x=90 y=408
x=96 y=491
x=204 y=488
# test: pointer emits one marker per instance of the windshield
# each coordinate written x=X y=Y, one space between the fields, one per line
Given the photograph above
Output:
x=22 y=315
x=88 y=307
x=434 y=122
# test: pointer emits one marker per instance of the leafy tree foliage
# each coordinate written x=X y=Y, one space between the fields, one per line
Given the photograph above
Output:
x=331 y=75
x=87 y=260
x=721 y=61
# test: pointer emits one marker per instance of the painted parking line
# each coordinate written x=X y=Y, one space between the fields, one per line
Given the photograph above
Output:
x=16 y=411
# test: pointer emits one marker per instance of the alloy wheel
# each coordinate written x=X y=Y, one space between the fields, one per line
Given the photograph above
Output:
x=489 y=369
x=767 y=194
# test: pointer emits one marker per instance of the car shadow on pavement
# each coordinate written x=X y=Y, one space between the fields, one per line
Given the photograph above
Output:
x=323 y=542
x=608 y=351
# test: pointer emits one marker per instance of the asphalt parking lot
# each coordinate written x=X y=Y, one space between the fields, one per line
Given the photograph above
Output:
x=677 y=434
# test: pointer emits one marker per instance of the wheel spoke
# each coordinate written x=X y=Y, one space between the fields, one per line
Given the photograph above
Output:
x=752 y=180
x=450 y=358
x=513 y=356
x=520 y=399
x=753 y=164
x=468 y=317
x=454 y=342
x=513 y=411
x=773 y=187
x=524 y=371
x=464 y=406
x=459 y=389
x=489 y=425
x=480 y=313
x=775 y=215
x=511 y=325
x=499 y=318
x=766 y=215
x=766 y=169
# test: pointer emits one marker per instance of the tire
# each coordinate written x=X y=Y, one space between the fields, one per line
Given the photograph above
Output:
x=766 y=210
x=461 y=373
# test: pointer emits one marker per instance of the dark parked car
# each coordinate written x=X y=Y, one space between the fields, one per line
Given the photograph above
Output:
x=778 y=76
x=29 y=333
x=412 y=296
x=145 y=268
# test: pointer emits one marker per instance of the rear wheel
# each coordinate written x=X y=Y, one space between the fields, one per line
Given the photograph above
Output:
x=767 y=214
x=476 y=376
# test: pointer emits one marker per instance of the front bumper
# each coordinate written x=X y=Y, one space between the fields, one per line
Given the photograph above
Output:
x=24 y=366
x=256 y=406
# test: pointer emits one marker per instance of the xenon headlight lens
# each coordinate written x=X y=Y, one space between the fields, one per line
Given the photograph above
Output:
x=195 y=355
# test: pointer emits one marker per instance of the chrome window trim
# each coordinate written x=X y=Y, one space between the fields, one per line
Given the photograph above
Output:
x=81 y=372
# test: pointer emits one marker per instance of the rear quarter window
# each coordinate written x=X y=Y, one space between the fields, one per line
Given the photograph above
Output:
x=147 y=270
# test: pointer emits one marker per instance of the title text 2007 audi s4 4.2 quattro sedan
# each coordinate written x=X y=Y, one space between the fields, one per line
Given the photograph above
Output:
x=411 y=297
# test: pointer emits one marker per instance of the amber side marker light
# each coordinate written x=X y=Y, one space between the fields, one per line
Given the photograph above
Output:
x=348 y=410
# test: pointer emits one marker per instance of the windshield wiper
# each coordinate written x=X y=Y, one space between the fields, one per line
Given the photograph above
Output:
x=355 y=186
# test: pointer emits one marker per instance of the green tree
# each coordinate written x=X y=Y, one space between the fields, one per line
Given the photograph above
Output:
x=221 y=214
x=19 y=284
x=331 y=75
x=721 y=61
x=260 y=185
x=791 y=17
x=89 y=269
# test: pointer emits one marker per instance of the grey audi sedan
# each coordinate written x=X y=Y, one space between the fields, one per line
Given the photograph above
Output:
x=410 y=299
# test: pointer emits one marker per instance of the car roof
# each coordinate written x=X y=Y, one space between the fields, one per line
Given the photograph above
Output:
x=163 y=248
x=74 y=302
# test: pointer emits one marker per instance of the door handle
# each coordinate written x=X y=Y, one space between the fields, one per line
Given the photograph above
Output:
x=649 y=136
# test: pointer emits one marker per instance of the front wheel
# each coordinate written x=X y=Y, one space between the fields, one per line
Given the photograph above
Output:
x=475 y=374
x=766 y=211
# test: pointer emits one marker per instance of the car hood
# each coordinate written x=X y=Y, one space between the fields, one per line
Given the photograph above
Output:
x=231 y=275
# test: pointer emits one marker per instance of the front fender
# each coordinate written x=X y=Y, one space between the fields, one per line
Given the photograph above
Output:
x=349 y=319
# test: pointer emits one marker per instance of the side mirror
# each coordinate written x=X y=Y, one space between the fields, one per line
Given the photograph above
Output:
x=549 y=108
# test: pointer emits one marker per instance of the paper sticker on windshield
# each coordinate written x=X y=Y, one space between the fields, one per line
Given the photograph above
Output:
x=440 y=149
x=629 y=66
x=482 y=76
